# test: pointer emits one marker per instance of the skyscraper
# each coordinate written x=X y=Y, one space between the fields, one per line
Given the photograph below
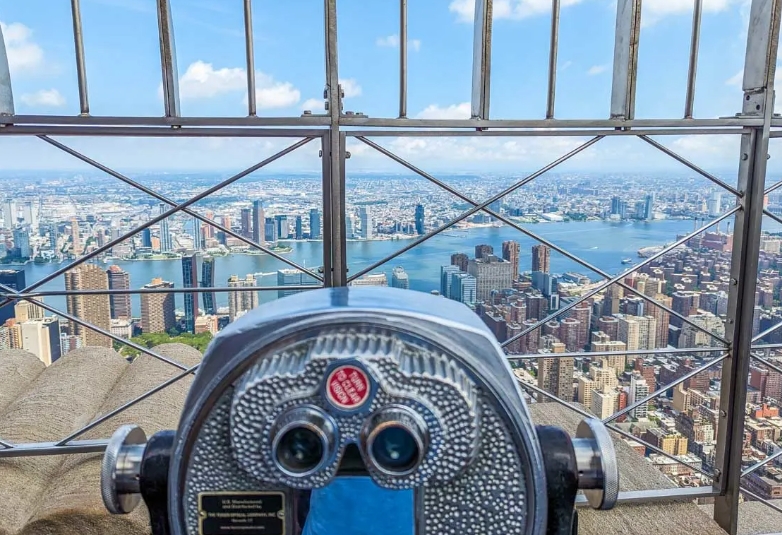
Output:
x=119 y=279
x=555 y=375
x=399 y=278
x=259 y=222
x=715 y=203
x=638 y=390
x=271 y=231
x=146 y=238
x=166 y=244
x=190 y=280
x=14 y=279
x=299 y=232
x=483 y=250
x=293 y=277
x=196 y=231
x=76 y=244
x=541 y=258
x=491 y=273
x=239 y=301
x=649 y=207
x=9 y=213
x=420 y=223
x=157 y=309
x=314 y=224
x=460 y=260
x=463 y=288
x=246 y=221
x=41 y=337
x=283 y=226
x=445 y=279
x=93 y=309
x=22 y=241
x=367 y=225
x=208 y=281
x=510 y=252
x=28 y=310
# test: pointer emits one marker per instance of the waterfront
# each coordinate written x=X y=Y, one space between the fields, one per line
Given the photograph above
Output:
x=601 y=243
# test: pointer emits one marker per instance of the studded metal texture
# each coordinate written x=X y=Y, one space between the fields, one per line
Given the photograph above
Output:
x=472 y=475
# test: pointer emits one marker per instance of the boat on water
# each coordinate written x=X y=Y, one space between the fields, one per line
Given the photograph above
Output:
x=627 y=261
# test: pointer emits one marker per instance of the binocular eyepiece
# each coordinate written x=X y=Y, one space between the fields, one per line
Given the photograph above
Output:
x=335 y=409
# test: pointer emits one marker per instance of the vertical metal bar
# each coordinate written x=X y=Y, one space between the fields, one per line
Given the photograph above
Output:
x=481 y=59
x=336 y=152
x=628 y=29
x=694 y=46
x=168 y=59
x=248 y=46
x=552 y=59
x=762 y=42
x=6 y=92
x=328 y=214
x=402 y=59
x=81 y=72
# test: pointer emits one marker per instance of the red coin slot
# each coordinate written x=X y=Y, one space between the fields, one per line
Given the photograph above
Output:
x=347 y=387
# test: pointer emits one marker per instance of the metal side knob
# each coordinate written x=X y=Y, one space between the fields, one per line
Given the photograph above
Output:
x=598 y=472
x=119 y=475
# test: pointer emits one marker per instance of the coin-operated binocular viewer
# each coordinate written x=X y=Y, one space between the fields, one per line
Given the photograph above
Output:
x=358 y=410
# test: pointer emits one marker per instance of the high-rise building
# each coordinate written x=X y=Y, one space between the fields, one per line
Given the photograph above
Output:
x=166 y=243
x=283 y=226
x=299 y=231
x=629 y=331
x=195 y=224
x=715 y=204
x=491 y=273
x=158 y=309
x=241 y=301
x=28 y=310
x=685 y=303
x=445 y=279
x=569 y=329
x=93 y=309
x=510 y=252
x=541 y=258
x=769 y=382
x=603 y=403
x=367 y=225
x=119 y=279
x=208 y=281
x=14 y=279
x=373 y=279
x=483 y=250
x=555 y=375
x=612 y=300
x=420 y=223
x=662 y=318
x=293 y=277
x=146 y=238
x=463 y=288
x=22 y=241
x=649 y=207
x=76 y=246
x=246 y=222
x=460 y=260
x=399 y=278
x=259 y=223
x=190 y=280
x=638 y=390
x=315 y=231
x=270 y=234
x=41 y=337
x=9 y=213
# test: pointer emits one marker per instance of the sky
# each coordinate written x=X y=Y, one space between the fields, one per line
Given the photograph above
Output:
x=123 y=74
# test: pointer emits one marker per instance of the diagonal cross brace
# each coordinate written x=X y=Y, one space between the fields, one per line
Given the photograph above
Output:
x=534 y=236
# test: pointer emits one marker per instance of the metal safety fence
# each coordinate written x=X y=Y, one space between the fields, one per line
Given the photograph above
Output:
x=755 y=125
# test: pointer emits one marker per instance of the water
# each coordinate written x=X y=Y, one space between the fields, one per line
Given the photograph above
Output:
x=603 y=244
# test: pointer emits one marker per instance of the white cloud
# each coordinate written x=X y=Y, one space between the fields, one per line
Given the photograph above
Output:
x=392 y=41
x=44 y=97
x=653 y=11
x=597 y=69
x=350 y=87
x=454 y=111
x=23 y=53
x=736 y=79
x=507 y=9
x=202 y=80
x=315 y=105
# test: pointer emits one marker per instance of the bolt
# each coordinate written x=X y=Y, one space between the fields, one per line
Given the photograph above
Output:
x=745 y=156
x=768 y=156
x=325 y=93
x=730 y=321
x=733 y=282
x=307 y=112
x=320 y=153
x=326 y=104
x=717 y=474
x=724 y=414
x=347 y=155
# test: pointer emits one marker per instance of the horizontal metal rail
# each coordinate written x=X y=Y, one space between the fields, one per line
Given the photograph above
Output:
x=673 y=494
x=184 y=289
x=51 y=448
x=652 y=352
x=548 y=132
x=151 y=131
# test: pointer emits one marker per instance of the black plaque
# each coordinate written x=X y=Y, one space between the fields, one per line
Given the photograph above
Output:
x=241 y=513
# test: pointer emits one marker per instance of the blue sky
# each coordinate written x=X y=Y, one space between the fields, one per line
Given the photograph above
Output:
x=124 y=74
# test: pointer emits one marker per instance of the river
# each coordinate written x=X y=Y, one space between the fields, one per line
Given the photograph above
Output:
x=601 y=243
